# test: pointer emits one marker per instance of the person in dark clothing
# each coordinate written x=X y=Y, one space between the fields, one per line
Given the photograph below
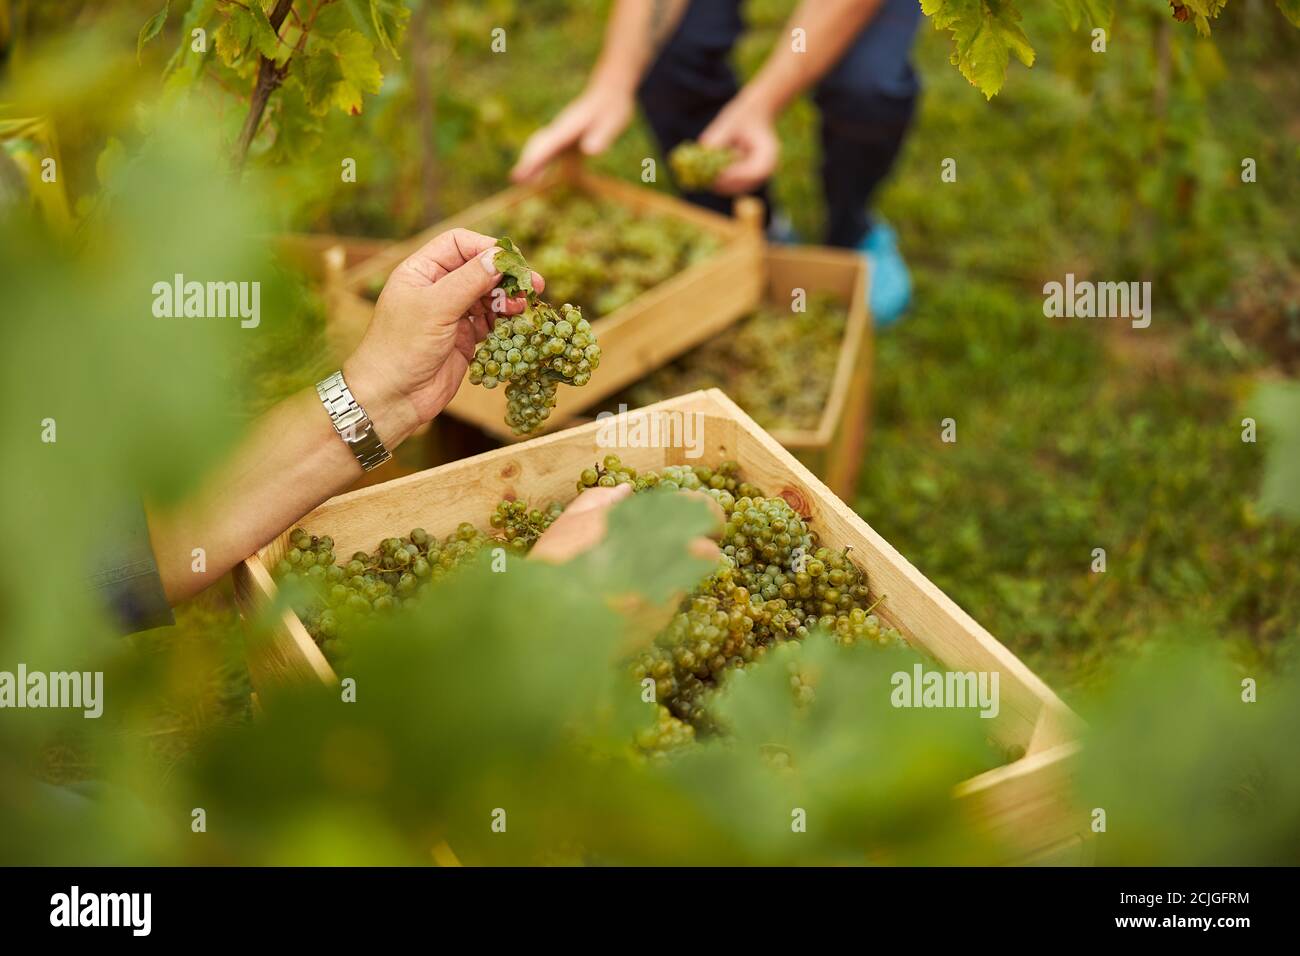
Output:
x=672 y=57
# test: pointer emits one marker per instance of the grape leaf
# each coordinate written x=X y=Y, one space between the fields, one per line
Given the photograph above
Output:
x=516 y=276
x=389 y=20
x=383 y=21
x=246 y=31
x=185 y=65
x=1203 y=11
x=297 y=126
x=623 y=564
x=1291 y=10
x=985 y=33
x=358 y=69
x=152 y=27
x=336 y=72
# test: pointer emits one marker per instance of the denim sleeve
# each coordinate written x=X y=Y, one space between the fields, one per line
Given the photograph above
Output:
x=125 y=574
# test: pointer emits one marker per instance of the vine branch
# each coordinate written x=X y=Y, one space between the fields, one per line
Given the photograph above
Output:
x=269 y=78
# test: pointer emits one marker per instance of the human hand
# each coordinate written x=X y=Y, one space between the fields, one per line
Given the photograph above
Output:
x=592 y=122
x=748 y=127
x=433 y=311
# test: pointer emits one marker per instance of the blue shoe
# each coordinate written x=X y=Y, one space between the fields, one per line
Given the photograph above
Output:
x=890 y=283
x=781 y=230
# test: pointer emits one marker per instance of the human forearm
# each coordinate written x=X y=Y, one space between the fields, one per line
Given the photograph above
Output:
x=291 y=461
x=829 y=27
x=636 y=30
x=434 y=309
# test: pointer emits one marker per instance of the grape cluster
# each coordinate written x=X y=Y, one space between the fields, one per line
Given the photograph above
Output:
x=599 y=254
x=533 y=352
x=696 y=167
x=519 y=525
x=341 y=596
x=776 y=364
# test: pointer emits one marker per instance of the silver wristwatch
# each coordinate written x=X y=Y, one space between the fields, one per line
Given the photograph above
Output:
x=351 y=422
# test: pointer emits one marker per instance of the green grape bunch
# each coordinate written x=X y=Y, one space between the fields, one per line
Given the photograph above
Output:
x=535 y=352
x=697 y=167
x=341 y=596
x=519 y=525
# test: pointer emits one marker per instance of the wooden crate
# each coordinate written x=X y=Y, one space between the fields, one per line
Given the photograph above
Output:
x=657 y=326
x=1024 y=802
x=833 y=448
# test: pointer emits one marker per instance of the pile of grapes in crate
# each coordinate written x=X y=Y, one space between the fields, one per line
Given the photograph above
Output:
x=776 y=364
x=775 y=582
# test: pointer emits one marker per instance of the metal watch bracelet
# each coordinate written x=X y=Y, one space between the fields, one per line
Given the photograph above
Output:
x=351 y=422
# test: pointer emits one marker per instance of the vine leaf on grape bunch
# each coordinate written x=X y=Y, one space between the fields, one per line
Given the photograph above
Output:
x=516 y=275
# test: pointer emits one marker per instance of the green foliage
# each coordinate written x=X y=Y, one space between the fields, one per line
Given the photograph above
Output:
x=152 y=27
x=245 y=34
x=516 y=276
x=1188 y=771
x=616 y=566
x=322 y=57
x=987 y=33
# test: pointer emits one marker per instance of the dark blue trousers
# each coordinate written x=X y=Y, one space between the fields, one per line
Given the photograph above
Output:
x=866 y=102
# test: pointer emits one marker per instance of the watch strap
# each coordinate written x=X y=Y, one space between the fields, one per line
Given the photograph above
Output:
x=351 y=422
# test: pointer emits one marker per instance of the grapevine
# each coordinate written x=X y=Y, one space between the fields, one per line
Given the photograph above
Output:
x=534 y=352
